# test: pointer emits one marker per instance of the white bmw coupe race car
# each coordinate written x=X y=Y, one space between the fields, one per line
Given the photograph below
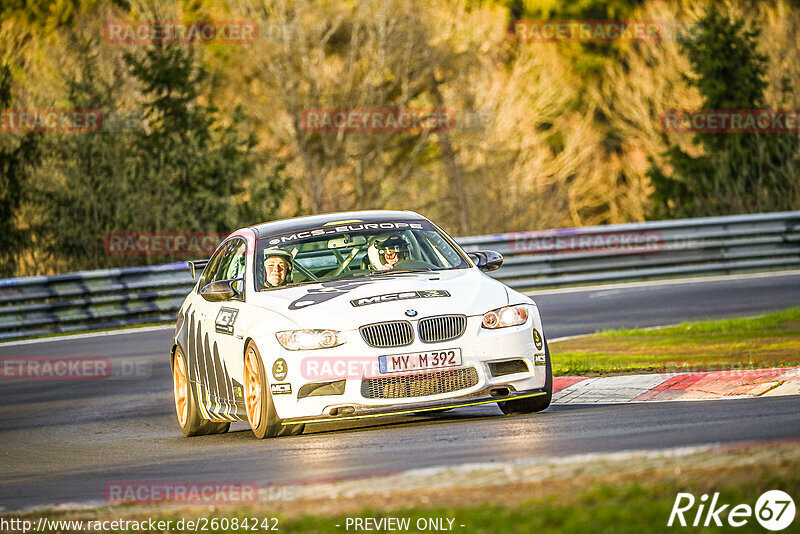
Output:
x=348 y=316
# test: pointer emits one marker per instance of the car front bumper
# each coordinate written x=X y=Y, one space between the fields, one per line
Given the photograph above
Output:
x=480 y=349
x=352 y=411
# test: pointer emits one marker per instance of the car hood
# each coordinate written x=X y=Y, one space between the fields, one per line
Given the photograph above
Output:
x=384 y=297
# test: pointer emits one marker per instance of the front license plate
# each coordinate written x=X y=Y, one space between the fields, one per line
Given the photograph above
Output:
x=415 y=361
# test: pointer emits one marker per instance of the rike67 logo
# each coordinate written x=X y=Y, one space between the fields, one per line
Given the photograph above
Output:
x=774 y=510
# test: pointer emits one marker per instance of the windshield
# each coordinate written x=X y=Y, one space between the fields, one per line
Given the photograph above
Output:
x=352 y=250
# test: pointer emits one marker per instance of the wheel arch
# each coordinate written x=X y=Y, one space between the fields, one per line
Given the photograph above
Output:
x=247 y=341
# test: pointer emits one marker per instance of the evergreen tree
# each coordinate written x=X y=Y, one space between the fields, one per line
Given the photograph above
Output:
x=189 y=168
x=174 y=165
x=736 y=172
x=17 y=158
x=80 y=192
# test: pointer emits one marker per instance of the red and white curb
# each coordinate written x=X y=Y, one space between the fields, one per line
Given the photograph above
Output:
x=677 y=386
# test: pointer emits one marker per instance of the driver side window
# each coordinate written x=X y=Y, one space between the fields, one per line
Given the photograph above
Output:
x=236 y=266
x=227 y=264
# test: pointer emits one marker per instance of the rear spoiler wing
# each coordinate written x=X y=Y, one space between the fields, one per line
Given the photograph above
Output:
x=197 y=266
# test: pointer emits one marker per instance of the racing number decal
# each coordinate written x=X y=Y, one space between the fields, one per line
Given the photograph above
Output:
x=537 y=339
x=279 y=369
x=225 y=319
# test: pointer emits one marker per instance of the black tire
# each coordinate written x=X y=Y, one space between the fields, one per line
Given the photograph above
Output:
x=269 y=424
x=217 y=428
x=194 y=425
x=533 y=404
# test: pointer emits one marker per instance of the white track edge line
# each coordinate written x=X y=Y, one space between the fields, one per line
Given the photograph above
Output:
x=667 y=282
x=69 y=337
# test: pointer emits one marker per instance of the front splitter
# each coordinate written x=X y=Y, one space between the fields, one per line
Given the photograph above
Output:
x=365 y=412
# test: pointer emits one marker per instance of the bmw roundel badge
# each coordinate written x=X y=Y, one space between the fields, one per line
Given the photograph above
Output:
x=411 y=313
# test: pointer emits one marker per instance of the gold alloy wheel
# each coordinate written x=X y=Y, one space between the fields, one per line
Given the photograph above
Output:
x=179 y=388
x=252 y=399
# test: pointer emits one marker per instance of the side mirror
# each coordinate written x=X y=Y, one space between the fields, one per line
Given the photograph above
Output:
x=222 y=290
x=487 y=260
x=197 y=266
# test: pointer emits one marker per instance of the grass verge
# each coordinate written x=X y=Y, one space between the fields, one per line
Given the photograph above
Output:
x=770 y=340
x=624 y=506
x=618 y=492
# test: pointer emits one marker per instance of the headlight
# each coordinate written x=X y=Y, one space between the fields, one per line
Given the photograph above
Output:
x=503 y=317
x=308 y=339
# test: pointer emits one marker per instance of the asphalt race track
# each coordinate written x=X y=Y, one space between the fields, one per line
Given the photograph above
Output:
x=63 y=441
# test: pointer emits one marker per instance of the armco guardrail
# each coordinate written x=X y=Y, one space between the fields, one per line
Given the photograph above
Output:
x=641 y=251
x=572 y=256
x=91 y=299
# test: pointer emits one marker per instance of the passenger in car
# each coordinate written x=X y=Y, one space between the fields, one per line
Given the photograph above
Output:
x=393 y=249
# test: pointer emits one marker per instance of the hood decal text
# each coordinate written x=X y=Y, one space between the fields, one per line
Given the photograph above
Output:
x=403 y=295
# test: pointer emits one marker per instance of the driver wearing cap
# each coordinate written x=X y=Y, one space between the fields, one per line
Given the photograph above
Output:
x=277 y=267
